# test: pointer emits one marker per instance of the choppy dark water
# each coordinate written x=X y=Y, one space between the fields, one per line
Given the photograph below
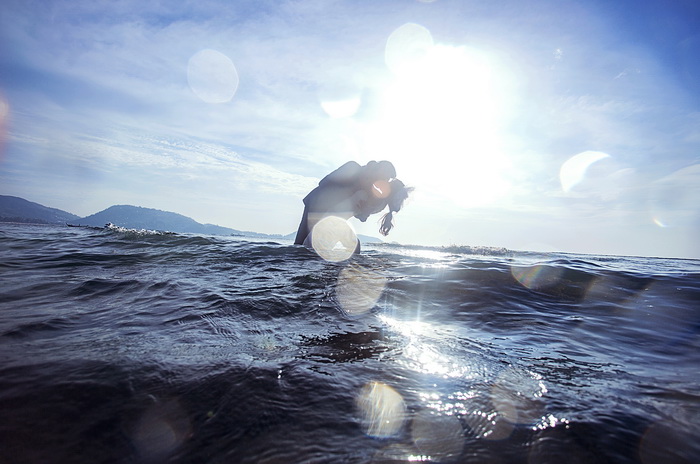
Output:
x=118 y=346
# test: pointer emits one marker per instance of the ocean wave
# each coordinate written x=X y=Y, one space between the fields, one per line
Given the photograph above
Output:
x=228 y=349
x=459 y=249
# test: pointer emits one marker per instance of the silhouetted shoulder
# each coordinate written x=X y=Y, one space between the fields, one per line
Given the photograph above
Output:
x=345 y=175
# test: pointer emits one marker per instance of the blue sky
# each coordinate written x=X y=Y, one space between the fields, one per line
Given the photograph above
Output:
x=546 y=125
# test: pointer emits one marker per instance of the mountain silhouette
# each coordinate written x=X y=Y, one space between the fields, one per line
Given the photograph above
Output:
x=136 y=217
x=15 y=209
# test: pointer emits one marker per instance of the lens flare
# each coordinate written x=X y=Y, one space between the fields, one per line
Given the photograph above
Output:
x=358 y=289
x=333 y=239
x=438 y=436
x=406 y=46
x=382 y=410
x=339 y=101
x=517 y=396
x=381 y=189
x=338 y=109
x=160 y=430
x=4 y=117
x=556 y=444
x=537 y=277
x=212 y=76
x=674 y=200
x=667 y=441
x=573 y=171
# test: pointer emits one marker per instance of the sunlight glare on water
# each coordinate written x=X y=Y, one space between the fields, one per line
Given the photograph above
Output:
x=484 y=421
x=398 y=453
x=423 y=356
x=212 y=76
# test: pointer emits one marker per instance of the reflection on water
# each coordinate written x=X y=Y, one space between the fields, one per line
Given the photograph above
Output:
x=422 y=353
x=483 y=421
x=248 y=353
x=490 y=411
x=398 y=453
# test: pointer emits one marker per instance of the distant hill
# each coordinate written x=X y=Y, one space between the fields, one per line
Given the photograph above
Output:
x=136 y=217
x=368 y=239
x=15 y=209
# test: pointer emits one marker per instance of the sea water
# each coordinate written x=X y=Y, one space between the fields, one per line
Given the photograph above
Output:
x=134 y=346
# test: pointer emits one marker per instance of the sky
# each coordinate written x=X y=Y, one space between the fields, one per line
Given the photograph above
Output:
x=553 y=125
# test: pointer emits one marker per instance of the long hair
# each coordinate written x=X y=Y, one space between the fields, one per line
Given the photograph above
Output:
x=399 y=193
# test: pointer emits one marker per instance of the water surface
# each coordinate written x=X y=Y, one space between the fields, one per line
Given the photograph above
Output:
x=135 y=346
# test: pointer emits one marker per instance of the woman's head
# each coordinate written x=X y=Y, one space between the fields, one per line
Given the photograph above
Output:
x=398 y=194
x=385 y=170
x=374 y=171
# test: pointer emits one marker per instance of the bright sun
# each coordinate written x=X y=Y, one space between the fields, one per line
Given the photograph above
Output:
x=440 y=120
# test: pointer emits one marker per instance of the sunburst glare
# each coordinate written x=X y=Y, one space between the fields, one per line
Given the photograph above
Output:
x=441 y=118
x=424 y=356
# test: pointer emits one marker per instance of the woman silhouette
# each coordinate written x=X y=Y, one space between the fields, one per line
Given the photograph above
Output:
x=354 y=191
